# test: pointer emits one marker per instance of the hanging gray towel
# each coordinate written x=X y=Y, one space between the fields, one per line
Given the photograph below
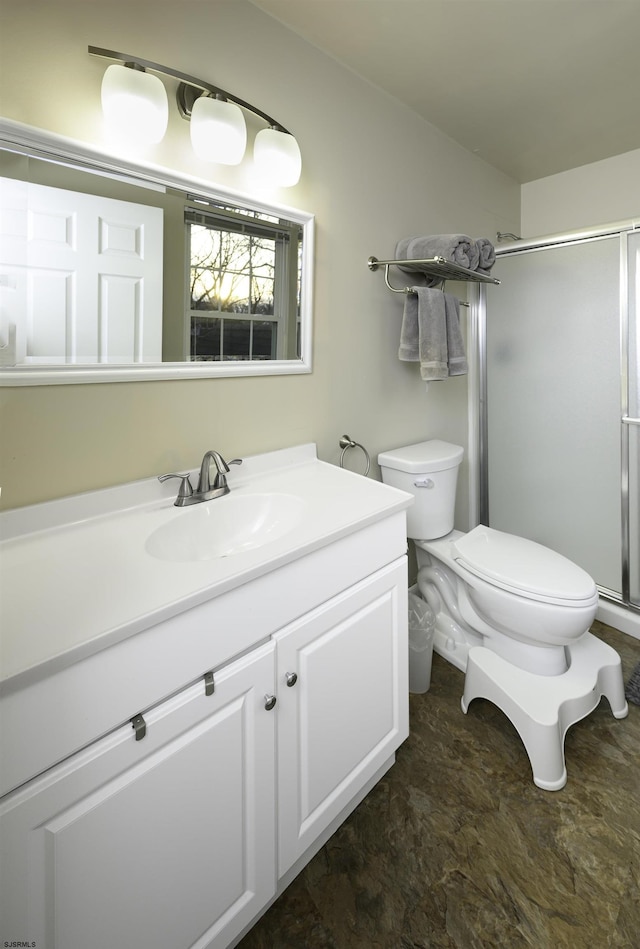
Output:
x=409 y=350
x=457 y=248
x=487 y=254
x=431 y=335
x=423 y=337
x=456 y=358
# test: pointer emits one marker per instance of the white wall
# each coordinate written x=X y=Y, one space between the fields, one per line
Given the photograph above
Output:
x=599 y=193
x=373 y=173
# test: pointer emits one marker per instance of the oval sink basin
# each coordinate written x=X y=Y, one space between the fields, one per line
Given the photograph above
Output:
x=226 y=526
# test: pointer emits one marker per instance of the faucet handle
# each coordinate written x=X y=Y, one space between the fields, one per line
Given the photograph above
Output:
x=185 y=490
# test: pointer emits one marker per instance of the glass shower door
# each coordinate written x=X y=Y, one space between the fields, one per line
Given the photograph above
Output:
x=553 y=403
x=632 y=423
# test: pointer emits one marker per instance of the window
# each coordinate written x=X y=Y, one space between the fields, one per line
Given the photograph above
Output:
x=243 y=285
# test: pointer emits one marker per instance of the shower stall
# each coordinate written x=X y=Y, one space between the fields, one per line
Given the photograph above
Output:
x=555 y=427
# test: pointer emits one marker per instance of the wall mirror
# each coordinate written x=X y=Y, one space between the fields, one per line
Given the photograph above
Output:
x=114 y=271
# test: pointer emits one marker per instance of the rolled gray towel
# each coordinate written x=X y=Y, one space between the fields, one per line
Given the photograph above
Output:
x=457 y=248
x=486 y=253
x=420 y=279
x=401 y=248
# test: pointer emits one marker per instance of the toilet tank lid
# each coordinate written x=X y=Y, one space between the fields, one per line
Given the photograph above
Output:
x=522 y=566
x=433 y=455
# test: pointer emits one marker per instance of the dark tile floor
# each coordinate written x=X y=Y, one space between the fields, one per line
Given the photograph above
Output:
x=456 y=847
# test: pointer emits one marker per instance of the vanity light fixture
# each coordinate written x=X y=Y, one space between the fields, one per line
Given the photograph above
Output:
x=218 y=130
x=277 y=157
x=134 y=104
x=135 y=107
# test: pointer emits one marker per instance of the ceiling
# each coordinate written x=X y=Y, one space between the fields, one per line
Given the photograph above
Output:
x=535 y=87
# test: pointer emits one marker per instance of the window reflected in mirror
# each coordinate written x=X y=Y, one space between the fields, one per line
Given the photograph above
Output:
x=244 y=278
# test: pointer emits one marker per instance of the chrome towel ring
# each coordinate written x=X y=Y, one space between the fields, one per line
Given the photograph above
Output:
x=346 y=442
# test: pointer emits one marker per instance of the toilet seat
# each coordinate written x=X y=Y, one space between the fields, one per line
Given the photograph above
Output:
x=523 y=567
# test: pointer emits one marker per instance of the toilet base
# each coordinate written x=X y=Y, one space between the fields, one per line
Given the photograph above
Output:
x=543 y=708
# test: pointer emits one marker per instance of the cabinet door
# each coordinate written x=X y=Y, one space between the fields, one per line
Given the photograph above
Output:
x=163 y=843
x=347 y=711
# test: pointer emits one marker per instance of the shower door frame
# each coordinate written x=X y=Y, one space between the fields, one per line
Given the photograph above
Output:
x=478 y=401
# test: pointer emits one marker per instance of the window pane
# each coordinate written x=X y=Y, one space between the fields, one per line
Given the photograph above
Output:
x=236 y=339
x=264 y=340
x=261 y=296
x=236 y=293
x=205 y=339
x=263 y=258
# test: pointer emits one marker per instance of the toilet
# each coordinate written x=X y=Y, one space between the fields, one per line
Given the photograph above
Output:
x=513 y=615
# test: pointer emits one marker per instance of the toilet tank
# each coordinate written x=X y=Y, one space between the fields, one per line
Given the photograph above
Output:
x=429 y=471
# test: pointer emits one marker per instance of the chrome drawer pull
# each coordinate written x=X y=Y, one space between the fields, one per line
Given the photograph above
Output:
x=139 y=726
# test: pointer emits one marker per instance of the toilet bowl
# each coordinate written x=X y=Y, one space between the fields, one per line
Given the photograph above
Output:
x=510 y=613
x=524 y=601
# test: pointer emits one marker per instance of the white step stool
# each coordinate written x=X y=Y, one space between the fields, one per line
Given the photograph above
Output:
x=543 y=708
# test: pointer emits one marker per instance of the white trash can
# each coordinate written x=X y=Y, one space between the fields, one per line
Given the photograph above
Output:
x=421 y=626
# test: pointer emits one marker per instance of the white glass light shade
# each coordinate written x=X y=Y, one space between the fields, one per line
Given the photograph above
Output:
x=277 y=156
x=134 y=104
x=218 y=131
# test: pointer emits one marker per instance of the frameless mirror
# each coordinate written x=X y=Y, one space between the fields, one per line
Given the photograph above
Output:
x=112 y=271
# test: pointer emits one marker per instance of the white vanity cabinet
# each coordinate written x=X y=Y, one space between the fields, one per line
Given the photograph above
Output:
x=158 y=843
x=177 y=832
x=179 y=839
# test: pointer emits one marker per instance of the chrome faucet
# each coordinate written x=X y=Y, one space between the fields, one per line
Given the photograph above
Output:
x=205 y=490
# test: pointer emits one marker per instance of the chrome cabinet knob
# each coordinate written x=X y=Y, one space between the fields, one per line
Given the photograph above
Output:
x=291 y=678
x=269 y=702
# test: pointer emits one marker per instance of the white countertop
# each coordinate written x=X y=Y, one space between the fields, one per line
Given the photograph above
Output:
x=75 y=576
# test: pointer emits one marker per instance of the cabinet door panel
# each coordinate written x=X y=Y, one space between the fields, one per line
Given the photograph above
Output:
x=347 y=712
x=163 y=843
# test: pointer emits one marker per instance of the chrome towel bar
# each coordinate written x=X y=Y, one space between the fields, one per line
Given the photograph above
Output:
x=346 y=442
x=438 y=267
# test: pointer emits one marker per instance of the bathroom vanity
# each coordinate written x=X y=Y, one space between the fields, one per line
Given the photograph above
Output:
x=190 y=708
